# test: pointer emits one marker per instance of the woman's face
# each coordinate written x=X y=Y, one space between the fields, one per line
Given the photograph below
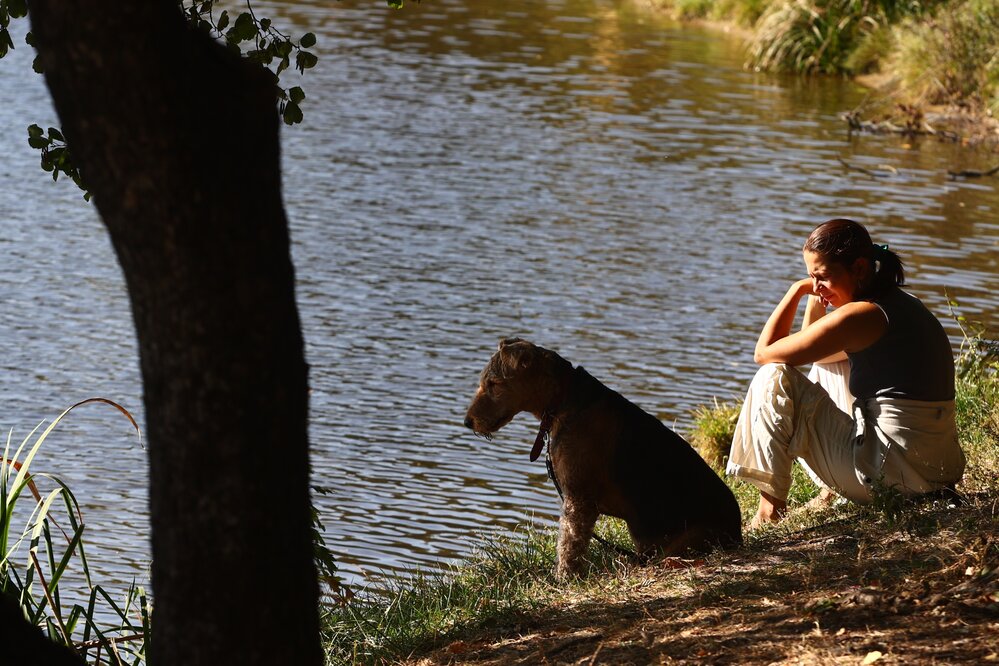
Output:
x=834 y=283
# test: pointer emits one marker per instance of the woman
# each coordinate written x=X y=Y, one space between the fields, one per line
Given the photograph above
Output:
x=901 y=433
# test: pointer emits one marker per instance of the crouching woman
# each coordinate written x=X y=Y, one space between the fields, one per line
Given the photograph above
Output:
x=901 y=433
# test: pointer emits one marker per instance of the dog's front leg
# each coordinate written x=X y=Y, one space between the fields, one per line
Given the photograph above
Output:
x=575 y=528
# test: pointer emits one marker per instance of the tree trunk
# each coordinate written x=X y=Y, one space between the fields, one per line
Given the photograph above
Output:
x=177 y=140
x=24 y=644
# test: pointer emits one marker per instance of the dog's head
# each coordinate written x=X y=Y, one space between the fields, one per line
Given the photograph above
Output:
x=519 y=377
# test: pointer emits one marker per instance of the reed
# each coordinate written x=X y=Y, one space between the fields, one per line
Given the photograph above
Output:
x=42 y=540
x=821 y=35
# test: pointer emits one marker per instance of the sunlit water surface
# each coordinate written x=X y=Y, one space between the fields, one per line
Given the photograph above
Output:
x=582 y=174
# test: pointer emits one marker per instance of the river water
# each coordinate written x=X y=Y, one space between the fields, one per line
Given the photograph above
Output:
x=583 y=174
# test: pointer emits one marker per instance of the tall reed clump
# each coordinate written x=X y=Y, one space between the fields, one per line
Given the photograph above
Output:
x=951 y=58
x=50 y=529
x=821 y=35
x=712 y=431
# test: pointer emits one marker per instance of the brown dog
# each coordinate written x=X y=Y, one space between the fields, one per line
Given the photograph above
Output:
x=609 y=456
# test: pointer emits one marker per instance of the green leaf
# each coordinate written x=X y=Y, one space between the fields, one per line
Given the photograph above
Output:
x=29 y=38
x=283 y=65
x=35 y=130
x=292 y=113
x=223 y=20
x=305 y=60
x=257 y=55
x=6 y=43
x=296 y=95
x=308 y=40
x=17 y=8
x=265 y=24
x=244 y=28
x=395 y=4
x=55 y=134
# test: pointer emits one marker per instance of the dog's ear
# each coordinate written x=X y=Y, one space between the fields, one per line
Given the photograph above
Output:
x=518 y=354
x=508 y=341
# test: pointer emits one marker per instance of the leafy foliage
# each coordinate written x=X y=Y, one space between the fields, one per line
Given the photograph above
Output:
x=256 y=38
x=10 y=9
x=55 y=155
x=326 y=566
x=953 y=57
x=265 y=44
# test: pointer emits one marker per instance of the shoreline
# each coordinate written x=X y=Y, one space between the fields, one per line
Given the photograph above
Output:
x=890 y=107
x=902 y=580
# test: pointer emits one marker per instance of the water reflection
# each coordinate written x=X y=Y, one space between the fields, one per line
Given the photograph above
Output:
x=580 y=173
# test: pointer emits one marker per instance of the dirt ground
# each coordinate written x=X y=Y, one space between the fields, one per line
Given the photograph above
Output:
x=855 y=589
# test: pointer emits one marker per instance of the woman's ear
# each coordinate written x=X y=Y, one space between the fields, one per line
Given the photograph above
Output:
x=861 y=269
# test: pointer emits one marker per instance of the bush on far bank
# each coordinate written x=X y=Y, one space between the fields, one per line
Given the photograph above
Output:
x=927 y=52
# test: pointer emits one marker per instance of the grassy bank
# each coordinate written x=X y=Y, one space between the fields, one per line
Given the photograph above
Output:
x=919 y=54
x=832 y=583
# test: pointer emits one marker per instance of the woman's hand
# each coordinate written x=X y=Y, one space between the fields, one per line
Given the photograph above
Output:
x=816 y=309
x=804 y=287
x=778 y=326
x=851 y=327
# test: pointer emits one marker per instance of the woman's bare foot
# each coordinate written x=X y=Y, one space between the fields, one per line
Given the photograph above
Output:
x=825 y=498
x=771 y=510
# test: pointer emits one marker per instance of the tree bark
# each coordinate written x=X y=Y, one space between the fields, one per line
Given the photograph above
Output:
x=177 y=140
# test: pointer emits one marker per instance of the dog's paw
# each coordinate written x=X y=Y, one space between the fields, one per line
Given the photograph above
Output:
x=566 y=572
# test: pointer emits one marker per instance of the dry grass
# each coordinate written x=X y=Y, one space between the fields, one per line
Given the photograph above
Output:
x=921 y=591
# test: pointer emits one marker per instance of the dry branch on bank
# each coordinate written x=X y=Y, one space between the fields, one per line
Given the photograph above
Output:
x=972 y=173
x=882 y=171
x=912 y=124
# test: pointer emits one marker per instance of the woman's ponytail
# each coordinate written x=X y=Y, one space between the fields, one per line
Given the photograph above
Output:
x=888 y=269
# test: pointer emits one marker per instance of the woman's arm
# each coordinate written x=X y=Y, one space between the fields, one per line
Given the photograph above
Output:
x=851 y=327
x=815 y=310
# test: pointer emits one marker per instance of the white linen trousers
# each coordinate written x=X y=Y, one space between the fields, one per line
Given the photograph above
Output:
x=908 y=444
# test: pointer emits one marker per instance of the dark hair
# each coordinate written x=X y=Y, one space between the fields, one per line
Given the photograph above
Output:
x=844 y=241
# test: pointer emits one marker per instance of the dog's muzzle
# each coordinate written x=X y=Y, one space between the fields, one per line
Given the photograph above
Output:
x=470 y=424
